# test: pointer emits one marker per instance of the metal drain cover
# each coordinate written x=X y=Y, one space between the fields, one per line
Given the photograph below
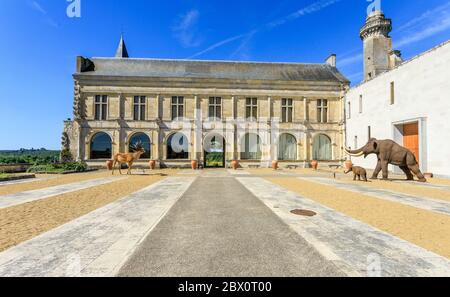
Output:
x=303 y=212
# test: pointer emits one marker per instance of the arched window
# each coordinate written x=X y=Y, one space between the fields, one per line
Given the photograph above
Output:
x=322 y=148
x=101 y=146
x=251 y=147
x=177 y=147
x=144 y=140
x=287 y=148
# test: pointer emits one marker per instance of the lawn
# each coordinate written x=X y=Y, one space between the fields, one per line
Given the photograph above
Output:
x=5 y=175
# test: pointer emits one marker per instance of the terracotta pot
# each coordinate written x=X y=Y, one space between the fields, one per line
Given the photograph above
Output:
x=275 y=165
x=109 y=165
x=234 y=164
x=348 y=164
x=152 y=164
x=315 y=164
x=194 y=164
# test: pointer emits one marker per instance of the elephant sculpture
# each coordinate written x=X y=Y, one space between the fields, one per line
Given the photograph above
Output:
x=389 y=152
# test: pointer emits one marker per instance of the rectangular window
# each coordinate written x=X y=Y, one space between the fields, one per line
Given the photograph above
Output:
x=369 y=132
x=287 y=108
x=251 y=108
x=322 y=111
x=360 y=103
x=215 y=107
x=101 y=107
x=392 y=93
x=177 y=107
x=349 y=110
x=139 y=108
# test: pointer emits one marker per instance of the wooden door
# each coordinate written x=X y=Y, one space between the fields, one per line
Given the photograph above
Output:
x=411 y=138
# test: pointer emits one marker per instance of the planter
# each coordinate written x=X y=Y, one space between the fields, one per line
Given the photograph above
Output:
x=348 y=164
x=314 y=164
x=194 y=165
x=234 y=164
x=275 y=165
x=152 y=164
x=109 y=165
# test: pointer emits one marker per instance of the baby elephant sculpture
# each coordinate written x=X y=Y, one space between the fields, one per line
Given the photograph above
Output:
x=358 y=172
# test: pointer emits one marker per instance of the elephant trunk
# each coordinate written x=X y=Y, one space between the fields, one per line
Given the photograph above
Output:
x=355 y=153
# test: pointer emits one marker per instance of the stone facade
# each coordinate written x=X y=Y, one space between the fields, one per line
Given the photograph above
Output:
x=121 y=79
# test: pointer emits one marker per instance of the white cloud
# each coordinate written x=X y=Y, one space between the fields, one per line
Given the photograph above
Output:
x=315 y=7
x=428 y=24
x=424 y=26
x=186 y=29
x=350 y=60
x=46 y=18
x=36 y=6
x=218 y=44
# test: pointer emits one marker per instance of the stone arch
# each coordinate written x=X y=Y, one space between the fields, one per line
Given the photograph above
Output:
x=177 y=146
x=322 y=148
x=146 y=143
x=100 y=146
x=287 y=147
x=251 y=147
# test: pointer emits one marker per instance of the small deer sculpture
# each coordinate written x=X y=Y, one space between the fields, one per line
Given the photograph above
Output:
x=129 y=159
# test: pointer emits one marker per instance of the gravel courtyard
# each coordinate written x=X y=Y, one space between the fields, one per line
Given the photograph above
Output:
x=223 y=223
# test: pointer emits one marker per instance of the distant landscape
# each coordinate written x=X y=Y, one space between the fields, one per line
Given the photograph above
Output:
x=29 y=156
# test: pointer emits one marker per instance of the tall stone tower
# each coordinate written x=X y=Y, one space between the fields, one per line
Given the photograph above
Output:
x=377 y=44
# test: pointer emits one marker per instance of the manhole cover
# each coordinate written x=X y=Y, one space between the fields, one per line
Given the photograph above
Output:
x=303 y=212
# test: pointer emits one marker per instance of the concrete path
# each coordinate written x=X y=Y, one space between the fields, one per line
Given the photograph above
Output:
x=24 y=197
x=363 y=249
x=24 y=181
x=98 y=243
x=430 y=204
x=219 y=228
x=427 y=185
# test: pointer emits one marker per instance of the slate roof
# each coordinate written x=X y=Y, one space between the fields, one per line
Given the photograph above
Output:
x=215 y=69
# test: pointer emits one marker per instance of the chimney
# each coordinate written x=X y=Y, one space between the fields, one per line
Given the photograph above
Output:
x=84 y=65
x=395 y=59
x=331 y=60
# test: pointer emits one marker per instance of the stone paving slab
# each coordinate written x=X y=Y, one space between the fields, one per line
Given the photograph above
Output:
x=361 y=248
x=430 y=204
x=24 y=181
x=219 y=229
x=98 y=243
x=29 y=196
x=238 y=172
x=427 y=185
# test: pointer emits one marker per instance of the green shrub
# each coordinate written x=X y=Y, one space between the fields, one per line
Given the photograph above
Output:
x=59 y=167
x=75 y=166
x=66 y=156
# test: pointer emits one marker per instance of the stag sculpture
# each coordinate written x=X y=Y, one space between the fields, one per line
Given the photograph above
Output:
x=129 y=158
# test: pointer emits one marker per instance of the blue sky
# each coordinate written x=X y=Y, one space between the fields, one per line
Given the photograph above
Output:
x=40 y=43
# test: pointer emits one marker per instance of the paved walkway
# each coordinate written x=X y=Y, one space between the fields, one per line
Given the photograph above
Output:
x=24 y=197
x=98 y=243
x=219 y=228
x=430 y=204
x=24 y=181
x=365 y=250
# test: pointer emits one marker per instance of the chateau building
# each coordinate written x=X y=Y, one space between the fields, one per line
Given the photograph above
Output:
x=210 y=111
x=406 y=101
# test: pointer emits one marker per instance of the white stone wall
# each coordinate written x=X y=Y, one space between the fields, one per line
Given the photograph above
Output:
x=422 y=93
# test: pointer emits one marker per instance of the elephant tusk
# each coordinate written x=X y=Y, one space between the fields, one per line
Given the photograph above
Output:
x=354 y=155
